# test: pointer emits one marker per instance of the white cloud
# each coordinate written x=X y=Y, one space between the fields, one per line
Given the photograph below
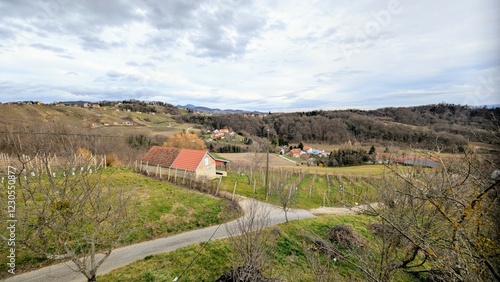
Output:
x=259 y=55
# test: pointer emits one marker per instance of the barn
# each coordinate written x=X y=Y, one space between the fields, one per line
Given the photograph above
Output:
x=189 y=163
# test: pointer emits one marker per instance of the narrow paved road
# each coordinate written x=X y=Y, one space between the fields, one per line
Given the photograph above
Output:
x=120 y=257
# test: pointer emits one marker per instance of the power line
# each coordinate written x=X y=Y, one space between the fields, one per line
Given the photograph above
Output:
x=195 y=257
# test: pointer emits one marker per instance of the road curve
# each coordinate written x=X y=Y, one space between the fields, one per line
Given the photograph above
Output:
x=63 y=272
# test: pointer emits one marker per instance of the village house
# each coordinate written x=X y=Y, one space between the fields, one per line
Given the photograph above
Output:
x=307 y=149
x=307 y=152
x=317 y=152
x=188 y=163
x=389 y=158
x=385 y=158
x=221 y=134
x=295 y=152
x=305 y=156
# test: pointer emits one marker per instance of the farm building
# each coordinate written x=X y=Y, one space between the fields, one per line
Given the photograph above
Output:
x=417 y=161
x=188 y=163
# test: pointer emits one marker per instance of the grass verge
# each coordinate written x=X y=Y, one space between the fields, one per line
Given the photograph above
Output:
x=291 y=259
x=156 y=209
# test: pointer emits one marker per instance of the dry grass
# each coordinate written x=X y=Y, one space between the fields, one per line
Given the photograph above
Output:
x=158 y=124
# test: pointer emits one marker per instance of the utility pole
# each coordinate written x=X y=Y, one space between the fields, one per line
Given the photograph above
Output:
x=267 y=165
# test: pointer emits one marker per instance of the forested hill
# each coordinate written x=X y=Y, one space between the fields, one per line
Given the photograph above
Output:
x=447 y=125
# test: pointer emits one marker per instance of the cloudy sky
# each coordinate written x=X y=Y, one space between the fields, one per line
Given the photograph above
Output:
x=252 y=55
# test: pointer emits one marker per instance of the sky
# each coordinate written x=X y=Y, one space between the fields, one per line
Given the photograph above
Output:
x=278 y=56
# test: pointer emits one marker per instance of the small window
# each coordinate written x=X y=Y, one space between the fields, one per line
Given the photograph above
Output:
x=206 y=161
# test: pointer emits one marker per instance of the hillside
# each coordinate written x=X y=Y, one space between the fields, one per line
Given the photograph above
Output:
x=87 y=117
x=109 y=129
x=449 y=127
x=133 y=126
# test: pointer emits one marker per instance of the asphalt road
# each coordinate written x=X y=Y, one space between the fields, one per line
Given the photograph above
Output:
x=64 y=272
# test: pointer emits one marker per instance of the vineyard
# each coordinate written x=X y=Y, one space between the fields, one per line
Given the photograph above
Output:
x=301 y=188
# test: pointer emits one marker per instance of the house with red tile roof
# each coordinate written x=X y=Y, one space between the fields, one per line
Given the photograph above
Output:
x=307 y=149
x=295 y=152
x=181 y=162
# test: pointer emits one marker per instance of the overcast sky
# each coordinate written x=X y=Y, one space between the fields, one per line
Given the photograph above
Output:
x=252 y=55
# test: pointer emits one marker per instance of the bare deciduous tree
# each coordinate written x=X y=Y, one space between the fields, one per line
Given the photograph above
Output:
x=65 y=207
x=440 y=222
x=254 y=245
x=286 y=192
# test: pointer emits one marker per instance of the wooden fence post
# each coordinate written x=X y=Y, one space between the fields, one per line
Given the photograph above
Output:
x=184 y=177
x=234 y=190
x=328 y=186
x=218 y=186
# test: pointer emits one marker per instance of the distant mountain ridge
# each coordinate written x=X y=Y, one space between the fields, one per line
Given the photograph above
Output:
x=216 y=111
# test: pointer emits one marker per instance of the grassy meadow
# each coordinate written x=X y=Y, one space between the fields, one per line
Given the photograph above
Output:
x=155 y=209
x=292 y=259
x=315 y=187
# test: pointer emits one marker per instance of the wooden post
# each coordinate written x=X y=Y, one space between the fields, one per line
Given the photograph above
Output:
x=218 y=186
x=184 y=177
x=156 y=171
x=312 y=186
x=254 y=184
x=328 y=185
x=234 y=190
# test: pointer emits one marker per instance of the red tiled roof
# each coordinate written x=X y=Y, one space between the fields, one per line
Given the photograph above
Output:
x=162 y=156
x=185 y=159
x=189 y=159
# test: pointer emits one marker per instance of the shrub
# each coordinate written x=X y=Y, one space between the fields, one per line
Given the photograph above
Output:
x=345 y=237
x=112 y=160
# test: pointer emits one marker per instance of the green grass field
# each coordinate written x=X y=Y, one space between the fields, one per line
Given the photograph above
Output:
x=315 y=188
x=292 y=258
x=156 y=209
x=360 y=170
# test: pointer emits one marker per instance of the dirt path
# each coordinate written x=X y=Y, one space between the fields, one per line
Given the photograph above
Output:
x=344 y=211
